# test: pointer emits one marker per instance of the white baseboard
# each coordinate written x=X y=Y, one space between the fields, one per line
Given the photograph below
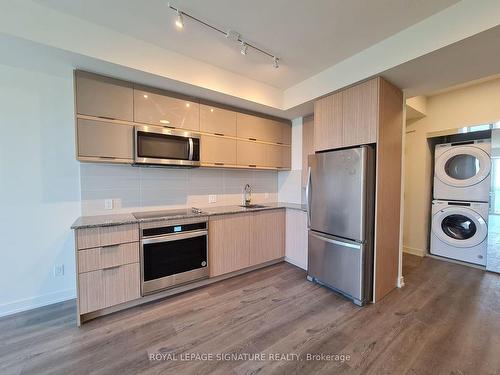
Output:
x=415 y=251
x=38 y=301
x=297 y=264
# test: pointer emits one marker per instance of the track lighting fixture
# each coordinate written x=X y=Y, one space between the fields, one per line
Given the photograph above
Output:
x=244 y=48
x=230 y=34
x=179 y=22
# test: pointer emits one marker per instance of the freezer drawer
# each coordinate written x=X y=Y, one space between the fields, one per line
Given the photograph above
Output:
x=339 y=265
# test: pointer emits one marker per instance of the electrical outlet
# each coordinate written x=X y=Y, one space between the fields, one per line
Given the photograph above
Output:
x=59 y=270
x=212 y=198
x=108 y=204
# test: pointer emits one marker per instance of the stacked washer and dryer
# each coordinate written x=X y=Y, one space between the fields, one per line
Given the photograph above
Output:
x=460 y=206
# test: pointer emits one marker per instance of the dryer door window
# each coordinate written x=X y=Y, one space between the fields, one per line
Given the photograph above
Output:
x=462 y=166
x=458 y=227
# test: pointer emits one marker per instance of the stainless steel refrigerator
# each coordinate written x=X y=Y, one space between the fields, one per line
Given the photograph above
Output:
x=340 y=207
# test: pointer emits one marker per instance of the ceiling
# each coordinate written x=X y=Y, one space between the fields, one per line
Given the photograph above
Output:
x=307 y=38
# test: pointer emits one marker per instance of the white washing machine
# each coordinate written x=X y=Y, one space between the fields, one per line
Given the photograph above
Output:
x=462 y=171
x=459 y=231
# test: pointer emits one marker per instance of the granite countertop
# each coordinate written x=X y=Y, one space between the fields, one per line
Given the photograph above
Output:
x=128 y=218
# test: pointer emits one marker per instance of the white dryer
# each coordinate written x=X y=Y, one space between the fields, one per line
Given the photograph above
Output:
x=459 y=231
x=462 y=171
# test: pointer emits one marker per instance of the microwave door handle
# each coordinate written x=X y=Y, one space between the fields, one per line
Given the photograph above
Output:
x=191 y=148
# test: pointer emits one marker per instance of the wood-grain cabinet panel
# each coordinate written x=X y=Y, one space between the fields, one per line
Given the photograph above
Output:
x=268 y=236
x=109 y=256
x=252 y=154
x=108 y=287
x=104 y=236
x=229 y=243
x=360 y=113
x=328 y=125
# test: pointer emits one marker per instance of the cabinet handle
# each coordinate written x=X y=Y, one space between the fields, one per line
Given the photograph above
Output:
x=220 y=134
x=219 y=163
x=110 y=268
x=106 y=118
x=252 y=139
x=109 y=246
x=252 y=165
x=107 y=157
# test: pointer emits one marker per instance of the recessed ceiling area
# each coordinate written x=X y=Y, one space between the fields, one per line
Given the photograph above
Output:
x=307 y=38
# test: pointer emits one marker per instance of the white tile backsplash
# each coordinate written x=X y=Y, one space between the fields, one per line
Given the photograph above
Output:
x=139 y=188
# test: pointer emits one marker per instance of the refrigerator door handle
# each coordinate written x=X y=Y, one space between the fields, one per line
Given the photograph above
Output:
x=308 y=197
x=335 y=242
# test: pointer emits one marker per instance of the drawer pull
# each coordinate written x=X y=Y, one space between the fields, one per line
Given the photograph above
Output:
x=106 y=118
x=110 y=268
x=109 y=246
x=252 y=165
x=252 y=139
x=220 y=134
x=107 y=157
x=219 y=163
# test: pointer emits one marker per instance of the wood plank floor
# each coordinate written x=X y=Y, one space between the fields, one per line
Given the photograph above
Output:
x=446 y=320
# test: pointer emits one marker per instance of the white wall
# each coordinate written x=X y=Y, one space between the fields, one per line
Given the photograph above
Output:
x=289 y=182
x=477 y=104
x=39 y=188
x=140 y=188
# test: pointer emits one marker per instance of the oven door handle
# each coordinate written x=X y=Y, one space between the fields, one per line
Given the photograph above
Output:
x=174 y=237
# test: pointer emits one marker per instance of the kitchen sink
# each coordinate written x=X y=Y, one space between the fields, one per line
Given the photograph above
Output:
x=253 y=206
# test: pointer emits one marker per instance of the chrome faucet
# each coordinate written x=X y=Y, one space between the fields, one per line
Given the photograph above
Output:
x=247 y=195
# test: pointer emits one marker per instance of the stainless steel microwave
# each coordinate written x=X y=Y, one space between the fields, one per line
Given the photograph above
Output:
x=156 y=145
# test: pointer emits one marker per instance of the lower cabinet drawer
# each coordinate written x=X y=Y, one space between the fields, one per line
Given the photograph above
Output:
x=108 y=287
x=108 y=256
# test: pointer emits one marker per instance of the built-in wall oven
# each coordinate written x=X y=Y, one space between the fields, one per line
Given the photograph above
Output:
x=172 y=255
x=156 y=145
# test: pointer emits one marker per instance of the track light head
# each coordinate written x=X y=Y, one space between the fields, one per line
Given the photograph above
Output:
x=244 y=48
x=179 y=22
x=276 y=61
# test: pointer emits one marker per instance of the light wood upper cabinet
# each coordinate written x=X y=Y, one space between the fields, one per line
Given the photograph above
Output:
x=347 y=118
x=218 y=150
x=268 y=236
x=105 y=141
x=217 y=121
x=103 y=97
x=286 y=157
x=251 y=154
x=262 y=129
x=157 y=109
x=360 y=113
x=229 y=243
x=328 y=125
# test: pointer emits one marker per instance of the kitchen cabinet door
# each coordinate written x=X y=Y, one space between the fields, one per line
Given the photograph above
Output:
x=104 y=141
x=274 y=156
x=229 y=243
x=251 y=154
x=360 y=113
x=268 y=236
x=103 y=97
x=108 y=287
x=286 y=157
x=328 y=125
x=286 y=134
x=218 y=150
x=162 y=110
x=258 y=128
x=217 y=121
